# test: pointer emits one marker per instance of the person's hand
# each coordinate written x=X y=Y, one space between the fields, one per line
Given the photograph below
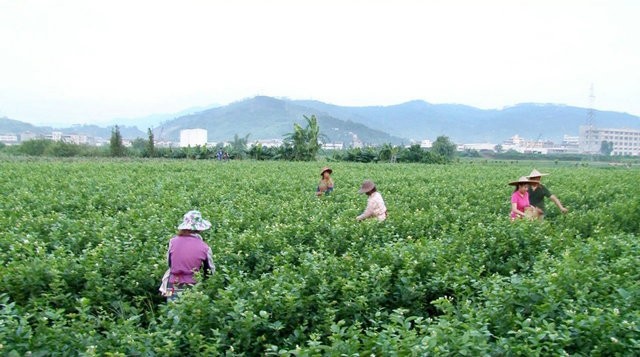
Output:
x=564 y=210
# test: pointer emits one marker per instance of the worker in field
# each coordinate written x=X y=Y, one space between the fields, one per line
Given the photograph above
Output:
x=520 y=205
x=375 y=204
x=537 y=193
x=325 y=186
x=187 y=254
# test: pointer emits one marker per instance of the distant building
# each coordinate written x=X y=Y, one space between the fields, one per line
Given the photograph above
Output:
x=426 y=144
x=78 y=139
x=26 y=136
x=571 y=141
x=356 y=143
x=478 y=146
x=193 y=137
x=522 y=145
x=9 y=139
x=625 y=141
x=333 y=146
x=270 y=143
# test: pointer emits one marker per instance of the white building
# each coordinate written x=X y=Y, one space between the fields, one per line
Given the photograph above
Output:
x=570 y=141
x=426 y=144
x=9 y=139
x=625 y=141
x=269 y=143
x=333 y=146
x=193 y=137
x=477 y=146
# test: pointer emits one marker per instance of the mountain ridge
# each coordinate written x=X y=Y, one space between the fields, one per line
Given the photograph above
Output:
x=266 y=117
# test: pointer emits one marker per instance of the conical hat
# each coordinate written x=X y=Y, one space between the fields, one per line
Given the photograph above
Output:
x=325 y=169
x=367 y=186
x=536 y=173
x=522 y=179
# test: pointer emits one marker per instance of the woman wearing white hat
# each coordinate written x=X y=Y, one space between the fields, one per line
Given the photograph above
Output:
x=375 y=204
x=187 y=254
x=520 y=206
x=537 y=193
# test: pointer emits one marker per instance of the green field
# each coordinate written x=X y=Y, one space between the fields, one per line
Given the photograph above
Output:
x=83 y=244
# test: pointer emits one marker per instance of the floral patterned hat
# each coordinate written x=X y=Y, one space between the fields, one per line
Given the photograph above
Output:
x=193 y=220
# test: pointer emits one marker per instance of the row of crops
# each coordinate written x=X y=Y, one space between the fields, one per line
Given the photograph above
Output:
x=83 y=243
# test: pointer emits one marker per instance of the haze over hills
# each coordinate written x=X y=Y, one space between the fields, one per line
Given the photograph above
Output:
x=11 y=126
x=464 y=124
x=270 y=118
x=154 y=120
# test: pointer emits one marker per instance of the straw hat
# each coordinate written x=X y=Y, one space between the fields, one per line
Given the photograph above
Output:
x=536 y=173
x=521 y=180
x=325 y=169
x=367 y=186
x=193 y=221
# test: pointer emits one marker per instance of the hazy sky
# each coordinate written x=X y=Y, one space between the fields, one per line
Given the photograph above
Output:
x=90 y=61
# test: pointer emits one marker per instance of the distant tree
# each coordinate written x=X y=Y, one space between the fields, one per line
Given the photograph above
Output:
x=115 y=144
x=62 y=149
x=306 y=142
x=498 y=148
x=413 y=154
x=606 y=148
x=444 y=147
x=384 y=154
x=239 y=146
x=138 y=145
x=388 y=153
x=35 y=147
x=150 y=149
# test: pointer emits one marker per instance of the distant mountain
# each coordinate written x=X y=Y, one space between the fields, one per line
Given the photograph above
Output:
x=10 y=126
x=127 y=132
x=268 y=118
x=464 y=124
x=154 y=120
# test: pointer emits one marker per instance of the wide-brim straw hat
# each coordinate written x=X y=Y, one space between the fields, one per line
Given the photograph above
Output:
x=521 y=180
x=193 y=221
x=536 y=173
x=325 y=169
x=367 y=186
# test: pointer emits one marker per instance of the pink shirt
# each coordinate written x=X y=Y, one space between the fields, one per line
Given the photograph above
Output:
x=375 y=208
x=188 y=254
x=521 y=201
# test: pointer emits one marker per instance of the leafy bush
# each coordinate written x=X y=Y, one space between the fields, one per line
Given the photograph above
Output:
x=447 y=274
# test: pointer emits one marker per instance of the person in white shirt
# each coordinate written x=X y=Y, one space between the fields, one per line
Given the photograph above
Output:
x=375 y=204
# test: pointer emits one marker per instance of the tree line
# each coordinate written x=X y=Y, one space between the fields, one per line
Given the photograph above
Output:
x=304 y=143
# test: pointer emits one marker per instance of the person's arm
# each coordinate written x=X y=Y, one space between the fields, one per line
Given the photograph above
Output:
x=169 y=255
x=558 y=203
x=514 y=209
x=208 y=267
x=368 y=212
